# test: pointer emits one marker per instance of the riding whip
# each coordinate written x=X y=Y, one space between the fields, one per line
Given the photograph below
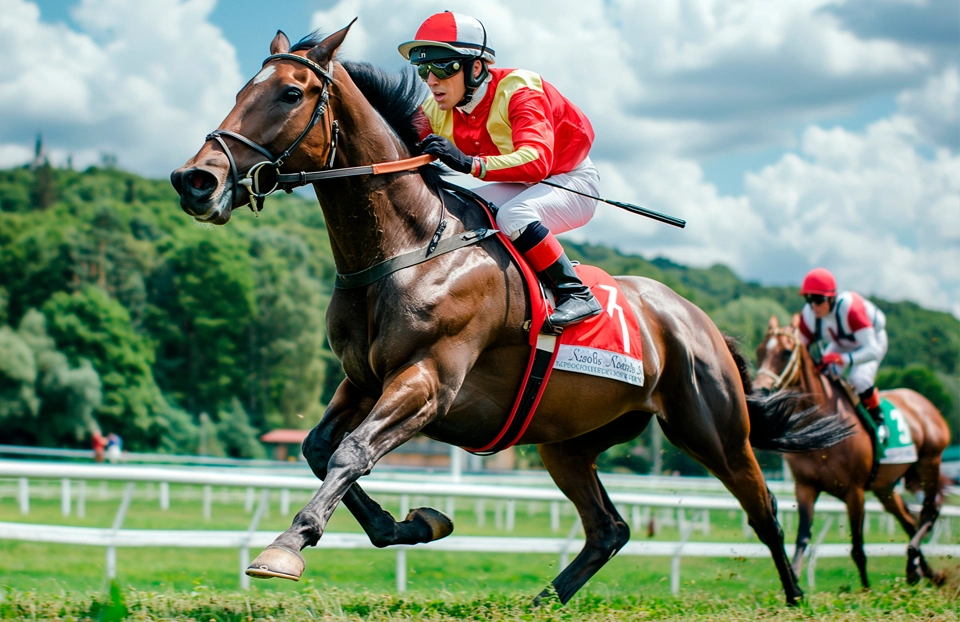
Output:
x=636 y=209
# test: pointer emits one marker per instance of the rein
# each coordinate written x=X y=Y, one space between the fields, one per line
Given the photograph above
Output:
x=264 y=178
x=791 y=372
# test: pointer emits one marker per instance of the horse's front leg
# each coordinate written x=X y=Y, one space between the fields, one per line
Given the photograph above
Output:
x=806 y=498
x=413 y=397
x=347 y=410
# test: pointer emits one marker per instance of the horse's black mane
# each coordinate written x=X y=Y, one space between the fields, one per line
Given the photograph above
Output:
x=396 y=96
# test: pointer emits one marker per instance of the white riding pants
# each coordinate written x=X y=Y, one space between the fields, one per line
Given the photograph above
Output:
x=558 y=210
x=862 y=376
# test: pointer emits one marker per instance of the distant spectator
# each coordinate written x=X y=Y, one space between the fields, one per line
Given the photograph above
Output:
x=114 y=447
x=99 y=444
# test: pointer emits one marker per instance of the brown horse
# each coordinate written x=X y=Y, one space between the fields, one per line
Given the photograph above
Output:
x=439 y=348
x=844 y=469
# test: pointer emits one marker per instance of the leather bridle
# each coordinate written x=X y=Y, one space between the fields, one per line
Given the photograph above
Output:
x=269 y=170
x=791 y=371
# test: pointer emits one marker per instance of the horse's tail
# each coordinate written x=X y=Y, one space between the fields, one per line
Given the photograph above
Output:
x=778 y=424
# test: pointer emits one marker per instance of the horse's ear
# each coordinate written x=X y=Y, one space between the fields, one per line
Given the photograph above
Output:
x=773 y=324
x=795 y=320
x=323 y=52
x=280 y=44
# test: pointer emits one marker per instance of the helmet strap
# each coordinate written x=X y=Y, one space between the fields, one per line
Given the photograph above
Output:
x=469 y=81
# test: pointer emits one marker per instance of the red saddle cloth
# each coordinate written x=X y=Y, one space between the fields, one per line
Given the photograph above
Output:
x=607 y=345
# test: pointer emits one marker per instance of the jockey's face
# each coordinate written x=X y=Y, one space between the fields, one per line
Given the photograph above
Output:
x=822 y=309
x=448 y=93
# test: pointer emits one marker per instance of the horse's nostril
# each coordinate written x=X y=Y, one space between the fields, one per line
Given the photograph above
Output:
x=200 y=181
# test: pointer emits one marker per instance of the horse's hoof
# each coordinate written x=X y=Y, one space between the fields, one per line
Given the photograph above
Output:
x=440 y=524
x=277 y=561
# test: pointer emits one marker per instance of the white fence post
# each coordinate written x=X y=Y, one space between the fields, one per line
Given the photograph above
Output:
x=248 y=500
x=65 y=497
x=812 y=562
x=207 y=501
x=285 y=502
x=164 y=496
x=554 y=516
x=451 y=507
x=511 y=514
x=565 y=553
x=82 y=498
x=480 y=507
x=251 y=529
x=111 y=569
x=23 y=495
x=675 y=562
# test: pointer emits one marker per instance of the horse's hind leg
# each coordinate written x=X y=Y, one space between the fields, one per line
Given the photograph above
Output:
x=893 y=503
x=855 y=512
x=572 y=465
x=346 y=411
x=928 y=471
x=806 y=498
x=730 y=457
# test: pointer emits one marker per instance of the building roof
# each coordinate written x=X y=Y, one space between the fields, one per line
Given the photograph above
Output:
x=282 y=436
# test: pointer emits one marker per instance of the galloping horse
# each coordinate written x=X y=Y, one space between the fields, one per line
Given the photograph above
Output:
x=439 y=348
x=844 y=470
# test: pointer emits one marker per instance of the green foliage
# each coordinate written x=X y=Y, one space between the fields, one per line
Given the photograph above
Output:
x=43 y=400
x=746 y=318
x=238 y=438
x=88 y=325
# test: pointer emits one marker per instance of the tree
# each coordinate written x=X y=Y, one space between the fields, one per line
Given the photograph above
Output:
x=746 y=319
x=201 y=311
x=238 y=437
x=90 y=325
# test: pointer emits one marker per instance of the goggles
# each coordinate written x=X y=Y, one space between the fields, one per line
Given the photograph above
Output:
x=442 y=70
x=815 y=299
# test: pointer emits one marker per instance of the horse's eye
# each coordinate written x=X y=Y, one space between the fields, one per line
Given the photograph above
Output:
x=292 y=95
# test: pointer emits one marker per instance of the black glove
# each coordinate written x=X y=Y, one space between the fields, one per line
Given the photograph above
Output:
x=447 y=153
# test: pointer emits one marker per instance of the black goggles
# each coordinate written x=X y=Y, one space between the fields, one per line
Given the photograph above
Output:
x=441 y=70
x=815 y=299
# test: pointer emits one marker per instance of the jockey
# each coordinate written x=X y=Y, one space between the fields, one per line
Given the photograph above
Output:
x=854 y=332
x=512 y=127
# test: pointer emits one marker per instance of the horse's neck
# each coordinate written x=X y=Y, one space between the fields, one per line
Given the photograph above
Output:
x=372 y=218
x=820 y=388
x=811 y=382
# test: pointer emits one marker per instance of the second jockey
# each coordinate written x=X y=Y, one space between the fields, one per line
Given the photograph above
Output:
x=853 y=331
x=512 y=127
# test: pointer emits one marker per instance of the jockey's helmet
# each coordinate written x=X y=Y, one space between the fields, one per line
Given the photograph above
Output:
x=448 y=36
x=819 y=281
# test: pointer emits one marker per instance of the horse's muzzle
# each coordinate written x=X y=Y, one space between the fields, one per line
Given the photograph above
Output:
x=199 y=198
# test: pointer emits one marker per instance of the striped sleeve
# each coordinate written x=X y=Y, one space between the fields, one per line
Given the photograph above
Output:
x=527 y=153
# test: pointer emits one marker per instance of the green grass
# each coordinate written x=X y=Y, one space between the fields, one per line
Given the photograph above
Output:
x=199 y=583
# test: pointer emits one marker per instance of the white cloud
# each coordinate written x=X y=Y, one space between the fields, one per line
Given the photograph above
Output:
x=936 y=107
x=143 y=80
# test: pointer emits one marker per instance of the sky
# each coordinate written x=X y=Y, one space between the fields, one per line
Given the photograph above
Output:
x=789 y=134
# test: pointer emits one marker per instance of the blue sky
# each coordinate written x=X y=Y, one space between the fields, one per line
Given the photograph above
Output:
x=789 y=134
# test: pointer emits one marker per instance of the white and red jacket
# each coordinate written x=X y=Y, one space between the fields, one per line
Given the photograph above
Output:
x=522 y=128
x=852 y=328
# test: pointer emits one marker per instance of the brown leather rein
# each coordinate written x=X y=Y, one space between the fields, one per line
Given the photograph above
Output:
x=264 y=178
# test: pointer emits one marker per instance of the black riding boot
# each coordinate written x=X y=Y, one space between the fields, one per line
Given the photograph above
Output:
x=574 y=301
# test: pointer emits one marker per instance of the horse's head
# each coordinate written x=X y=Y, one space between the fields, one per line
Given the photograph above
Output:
x=779 y=356
x=281 y=116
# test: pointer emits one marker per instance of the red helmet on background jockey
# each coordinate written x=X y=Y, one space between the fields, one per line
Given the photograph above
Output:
x=452 y=36
x=819 y=281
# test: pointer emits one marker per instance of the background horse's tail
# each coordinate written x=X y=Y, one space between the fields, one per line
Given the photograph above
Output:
x=778 y=424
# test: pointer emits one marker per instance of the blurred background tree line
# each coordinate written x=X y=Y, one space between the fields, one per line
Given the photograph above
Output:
x=118 y=312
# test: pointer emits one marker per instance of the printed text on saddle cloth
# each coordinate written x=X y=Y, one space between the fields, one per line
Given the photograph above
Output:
x=607 y=345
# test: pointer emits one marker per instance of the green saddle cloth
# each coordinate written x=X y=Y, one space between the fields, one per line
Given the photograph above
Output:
x=899 y=448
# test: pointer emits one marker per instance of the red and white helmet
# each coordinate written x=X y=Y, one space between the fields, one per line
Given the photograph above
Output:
x=819 y=281
x=446 y=35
